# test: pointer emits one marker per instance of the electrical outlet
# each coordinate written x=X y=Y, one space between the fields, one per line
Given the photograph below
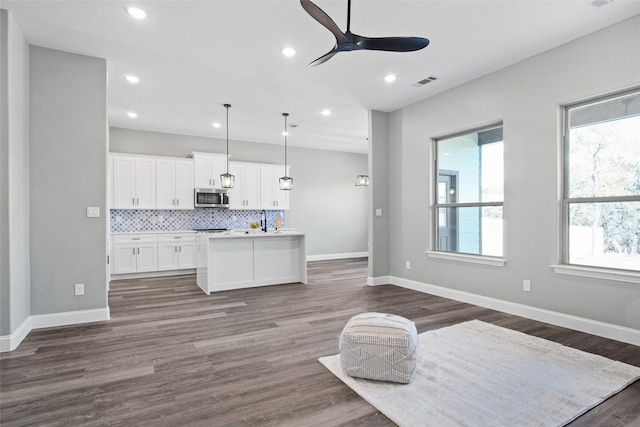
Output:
x=378 y=212
x=79 y=289
x=118 y=219
x=407 y=265
x=526 y=285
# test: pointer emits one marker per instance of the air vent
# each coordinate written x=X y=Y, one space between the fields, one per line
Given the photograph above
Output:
x=600 y=3
x=425 y=81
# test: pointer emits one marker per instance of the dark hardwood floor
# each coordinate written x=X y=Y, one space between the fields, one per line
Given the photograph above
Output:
x=173 y=356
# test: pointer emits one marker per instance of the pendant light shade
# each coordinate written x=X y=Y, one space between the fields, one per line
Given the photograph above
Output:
x=362 y=180
x=286 y=182
x=226 y=179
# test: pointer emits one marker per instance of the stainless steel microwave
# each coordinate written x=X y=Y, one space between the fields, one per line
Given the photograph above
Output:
x=211 y=198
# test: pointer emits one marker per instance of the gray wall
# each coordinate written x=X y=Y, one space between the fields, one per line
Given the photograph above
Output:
x=379 y=188
x=68 y=158
x=527 y=96
x=324 y=202
x=14 y=176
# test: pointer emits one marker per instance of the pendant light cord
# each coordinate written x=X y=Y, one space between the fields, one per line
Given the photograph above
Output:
x=227 y=106
x=285 y=143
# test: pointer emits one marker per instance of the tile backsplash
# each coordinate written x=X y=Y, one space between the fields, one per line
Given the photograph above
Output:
x=132 y=220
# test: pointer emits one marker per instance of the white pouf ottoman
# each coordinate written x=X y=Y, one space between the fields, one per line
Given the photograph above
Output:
x=379 y=346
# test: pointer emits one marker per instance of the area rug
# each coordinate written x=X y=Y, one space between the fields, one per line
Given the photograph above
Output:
x=478 y=374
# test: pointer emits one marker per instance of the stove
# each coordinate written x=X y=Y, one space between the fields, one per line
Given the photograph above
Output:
x=211 y=230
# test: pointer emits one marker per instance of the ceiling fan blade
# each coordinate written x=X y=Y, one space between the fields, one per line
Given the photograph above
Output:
x=324 y=58
x=392 y=44
x=324 y=19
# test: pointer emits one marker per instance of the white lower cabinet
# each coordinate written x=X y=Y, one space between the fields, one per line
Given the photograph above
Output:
x=176 y=251
x=134 y=253
x=149 y=252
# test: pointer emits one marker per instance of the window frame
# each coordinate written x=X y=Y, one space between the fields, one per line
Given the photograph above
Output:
x=565 y=266
x=491 y=260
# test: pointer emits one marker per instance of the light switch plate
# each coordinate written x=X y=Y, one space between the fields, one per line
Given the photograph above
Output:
x=378 y=212
x=93 y=212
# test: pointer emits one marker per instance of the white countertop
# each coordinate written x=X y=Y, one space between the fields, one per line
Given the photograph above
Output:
x=152 y=232
x=249 y=234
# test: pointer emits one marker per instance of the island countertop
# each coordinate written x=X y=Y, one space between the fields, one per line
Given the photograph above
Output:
x=248 y=234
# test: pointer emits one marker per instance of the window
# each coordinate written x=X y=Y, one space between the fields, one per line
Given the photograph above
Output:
x=601 y=201
x=470 y=192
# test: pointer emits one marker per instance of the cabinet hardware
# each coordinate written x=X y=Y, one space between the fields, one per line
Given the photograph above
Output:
x=135 y=238
x=134 y=251
x=175 y=249
x=137 y=201
x=133 y=201
x=138 y=251
x=214 y=181
x=180 y=249
x=178 y=202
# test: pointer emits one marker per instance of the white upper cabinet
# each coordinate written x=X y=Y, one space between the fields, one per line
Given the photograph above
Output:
x=134 y=183
x=208 y=168
x=271 y=196
x=174 y=184
x=245 y=193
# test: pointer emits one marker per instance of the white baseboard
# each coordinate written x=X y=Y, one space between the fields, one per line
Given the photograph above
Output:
x=380 y=280
x=69 y=318
x=11 y=342
x=594 y=327
x=327 y=257
x=153 y=274
x=37 y=321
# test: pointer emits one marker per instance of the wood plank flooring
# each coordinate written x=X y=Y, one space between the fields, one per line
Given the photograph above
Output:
x=173 y=356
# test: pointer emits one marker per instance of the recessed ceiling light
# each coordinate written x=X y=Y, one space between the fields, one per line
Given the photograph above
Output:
x=216 y=125
x=325 y=112
x=390 y=78
x=137 y=12
x=288 y=51
x=132 y=79
x=132 y=114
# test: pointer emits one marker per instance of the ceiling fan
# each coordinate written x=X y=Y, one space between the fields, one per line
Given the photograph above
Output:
x=348 y=41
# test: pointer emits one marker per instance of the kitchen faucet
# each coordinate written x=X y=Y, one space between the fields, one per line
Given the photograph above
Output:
x=263 y=220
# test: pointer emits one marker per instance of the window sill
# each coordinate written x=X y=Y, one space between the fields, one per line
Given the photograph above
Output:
x=597 y=273
x=474 y=259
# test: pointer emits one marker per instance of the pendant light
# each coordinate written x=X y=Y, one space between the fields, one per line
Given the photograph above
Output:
x=286 y=182
x=362 y=180
x=226 y=179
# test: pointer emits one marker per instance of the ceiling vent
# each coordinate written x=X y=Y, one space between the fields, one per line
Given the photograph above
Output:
x=425 y=81
x=600 y=3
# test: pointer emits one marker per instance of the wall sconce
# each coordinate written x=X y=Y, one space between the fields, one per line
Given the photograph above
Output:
x=362 y=180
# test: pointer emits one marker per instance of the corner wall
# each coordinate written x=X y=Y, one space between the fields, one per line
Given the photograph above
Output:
x=527 y=96
x=14 y=183
x=68 y=159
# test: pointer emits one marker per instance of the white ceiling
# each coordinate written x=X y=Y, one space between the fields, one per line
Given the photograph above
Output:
x=194 y=56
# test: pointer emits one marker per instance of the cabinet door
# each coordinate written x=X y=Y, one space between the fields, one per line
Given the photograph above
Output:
x=236 y=196
x=165 y=184
x=202 y=171
x=218 y=167
x=251 y=186
x=147 y=257
x=167 y=256
x=123 y=182
x=124 y=259
x=267 y=176
x=184 y=184
x=187 y=255
x=145 y=178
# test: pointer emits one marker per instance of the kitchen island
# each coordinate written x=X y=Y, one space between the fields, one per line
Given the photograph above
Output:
x=237 y=259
